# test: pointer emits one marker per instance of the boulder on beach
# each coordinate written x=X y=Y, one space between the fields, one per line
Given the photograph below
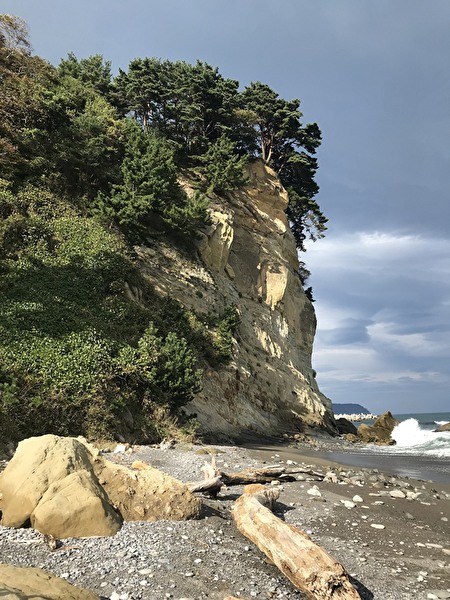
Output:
x=146 y=494
x=345 y=426
x=65 y=488
x=351 y=437
x=41 y=469
x=76 y=506
x=20 y=583
x=380 y=431
x=443 y=427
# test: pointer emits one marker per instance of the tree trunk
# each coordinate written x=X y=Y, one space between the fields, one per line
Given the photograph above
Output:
x=308 y=566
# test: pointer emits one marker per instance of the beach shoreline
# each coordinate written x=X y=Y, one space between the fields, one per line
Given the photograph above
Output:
x=337 y=451
x=393 y=547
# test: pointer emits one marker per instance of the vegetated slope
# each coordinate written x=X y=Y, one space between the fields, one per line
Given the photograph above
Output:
x=77 y=354
x=90 y=167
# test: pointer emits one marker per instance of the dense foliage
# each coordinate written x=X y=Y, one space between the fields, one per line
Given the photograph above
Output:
x=90 y=164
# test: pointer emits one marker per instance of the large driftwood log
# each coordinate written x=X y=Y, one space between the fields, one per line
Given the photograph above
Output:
x=308 y=566
x=210 y=485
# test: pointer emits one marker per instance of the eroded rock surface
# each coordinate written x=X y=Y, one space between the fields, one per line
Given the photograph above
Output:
x=248 y=258
x=146 y=494
x=346 y=426
x=380 y=431
x=444 y=427
x=18 y=583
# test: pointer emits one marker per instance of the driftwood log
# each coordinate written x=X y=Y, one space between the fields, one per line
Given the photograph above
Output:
x=215 y=478
x=265 y=475
x=308 y=566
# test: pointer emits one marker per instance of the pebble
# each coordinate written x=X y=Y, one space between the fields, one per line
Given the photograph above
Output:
x=314 y=491
x=377 y=526
x=357 y=499
x=397 y=494
x=348 y=503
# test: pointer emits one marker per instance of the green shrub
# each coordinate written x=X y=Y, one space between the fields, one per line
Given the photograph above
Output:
x=221 y=170
x=227 y=328
x=75 y=351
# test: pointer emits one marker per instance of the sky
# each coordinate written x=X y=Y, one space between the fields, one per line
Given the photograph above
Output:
x=375 y=77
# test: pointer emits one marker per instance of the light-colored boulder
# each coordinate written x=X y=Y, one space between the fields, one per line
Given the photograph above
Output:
x=38 y=463
x=76 y=506
x=147 y=494
x=19 y=583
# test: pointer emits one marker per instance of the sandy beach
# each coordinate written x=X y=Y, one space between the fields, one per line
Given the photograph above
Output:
x=391 y=533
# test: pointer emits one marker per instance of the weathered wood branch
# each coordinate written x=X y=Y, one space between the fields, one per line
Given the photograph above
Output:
x=264 y=475
x=308 y=566
x=274 y=472
x=209 y=486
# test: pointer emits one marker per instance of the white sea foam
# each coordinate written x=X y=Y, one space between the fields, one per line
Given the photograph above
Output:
x=411 y=439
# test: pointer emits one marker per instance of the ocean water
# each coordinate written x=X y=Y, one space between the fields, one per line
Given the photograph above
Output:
x=415 y=434
x=419 y=452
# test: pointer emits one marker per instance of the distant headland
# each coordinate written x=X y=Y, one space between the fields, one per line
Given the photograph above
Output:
x=352 y=412
x=350 y=409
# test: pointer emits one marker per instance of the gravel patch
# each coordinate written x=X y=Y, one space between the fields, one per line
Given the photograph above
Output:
x=209 y=558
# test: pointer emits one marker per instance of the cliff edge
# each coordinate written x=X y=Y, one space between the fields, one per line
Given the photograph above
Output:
x=247 y=257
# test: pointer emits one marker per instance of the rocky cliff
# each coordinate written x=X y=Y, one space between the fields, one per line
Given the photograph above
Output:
x=248 y=258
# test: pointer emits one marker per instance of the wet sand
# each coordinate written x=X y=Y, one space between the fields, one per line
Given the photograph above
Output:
x=421 y=468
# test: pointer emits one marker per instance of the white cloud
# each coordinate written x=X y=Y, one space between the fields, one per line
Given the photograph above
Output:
x=384 y=318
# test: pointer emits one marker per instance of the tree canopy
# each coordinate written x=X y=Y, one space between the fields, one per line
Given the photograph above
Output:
x=67 y=127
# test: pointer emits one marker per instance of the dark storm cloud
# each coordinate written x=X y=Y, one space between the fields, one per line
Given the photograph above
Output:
x=349 y=331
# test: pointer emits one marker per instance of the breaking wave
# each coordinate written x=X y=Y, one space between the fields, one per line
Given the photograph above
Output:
x=410 y=438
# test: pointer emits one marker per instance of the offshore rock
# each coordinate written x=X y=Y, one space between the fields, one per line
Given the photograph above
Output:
x=380 y=431
x=443 y=427
x=248 y=258
x=345 y=426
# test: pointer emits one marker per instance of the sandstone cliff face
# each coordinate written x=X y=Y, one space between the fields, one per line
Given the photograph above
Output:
x=248 y=257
